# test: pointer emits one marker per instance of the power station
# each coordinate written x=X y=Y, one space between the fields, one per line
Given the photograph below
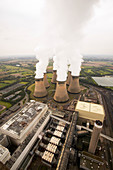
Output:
x=40 y=89
x=61 y=94
x=46 y=83
x=54 y=77
x=69 y=78
x=74 y=86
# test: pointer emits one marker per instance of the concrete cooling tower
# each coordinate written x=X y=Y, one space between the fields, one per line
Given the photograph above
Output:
x=69 y=78
x=54 y=77
x=74 y=86
x=95 y=136
x=46 y=83
x=61 y=94
x=40 y=90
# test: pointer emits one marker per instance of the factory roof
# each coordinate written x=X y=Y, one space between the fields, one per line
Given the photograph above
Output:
x=61 y=123
x=2 y=150
x=52 y=148
x=55 y=140
x=48 y=156
x=90 y=111
x=4 y=154
x=89 y=161
x=58 y=133
x=60 y=128
x=85 y=106
x=96 y=108
x=19 y=122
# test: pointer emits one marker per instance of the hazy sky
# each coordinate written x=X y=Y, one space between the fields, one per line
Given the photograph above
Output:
x=19 y=27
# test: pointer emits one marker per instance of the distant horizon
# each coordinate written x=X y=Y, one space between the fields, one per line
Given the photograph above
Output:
x=33 y=55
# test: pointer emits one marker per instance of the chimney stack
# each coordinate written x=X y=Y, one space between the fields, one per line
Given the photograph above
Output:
x=74 y=86
x=61 y=94
x=46 y=83
x=54 y=77
x=40 y=90
x=69 y=78
x=95 y=136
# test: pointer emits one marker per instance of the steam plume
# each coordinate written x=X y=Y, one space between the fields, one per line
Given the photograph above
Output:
x=42 y=56
x=61 y=26
x=55 y=63
x=75 y=64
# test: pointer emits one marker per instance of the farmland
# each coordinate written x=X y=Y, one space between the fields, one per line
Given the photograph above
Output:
x=96 y=68
x=15 y=76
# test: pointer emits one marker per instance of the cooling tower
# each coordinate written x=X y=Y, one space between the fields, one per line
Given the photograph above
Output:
x=40 y=90
x=74 y=86
x=54 y=77
x=46 y=83
x=69 y=78
x=61 y=94
x=95 y=136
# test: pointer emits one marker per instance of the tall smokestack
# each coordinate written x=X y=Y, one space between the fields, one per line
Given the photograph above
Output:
x=40 y=90
x=61 y=94
x=74 y=86
x=54 y=77
x=69 y=78
x=46 y=83
x=95 y=136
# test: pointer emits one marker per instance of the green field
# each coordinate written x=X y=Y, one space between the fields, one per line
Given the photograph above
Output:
x=23 y=82
x=3 y=84
x=31 y=88
x=49 y=75
x=5 y=104
x=9 y=81
x=14 y=69
x=95 y=71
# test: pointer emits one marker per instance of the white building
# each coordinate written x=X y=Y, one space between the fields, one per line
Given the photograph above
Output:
x=90 y=111
x=4 y=154
x=21 y=124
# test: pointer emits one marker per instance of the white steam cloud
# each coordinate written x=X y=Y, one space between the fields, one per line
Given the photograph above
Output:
x=55 y=63
x=62 y=24
x=42 y=56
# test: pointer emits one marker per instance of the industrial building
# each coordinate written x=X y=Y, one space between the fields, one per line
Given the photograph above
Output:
x=89 y=161
x=23 y=130
x=4 y=154
x=53 y=141
x=21 y=124
x=49 y=148
x=90 y=111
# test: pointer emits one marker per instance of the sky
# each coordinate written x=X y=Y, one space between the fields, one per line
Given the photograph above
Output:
x=21 y=29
